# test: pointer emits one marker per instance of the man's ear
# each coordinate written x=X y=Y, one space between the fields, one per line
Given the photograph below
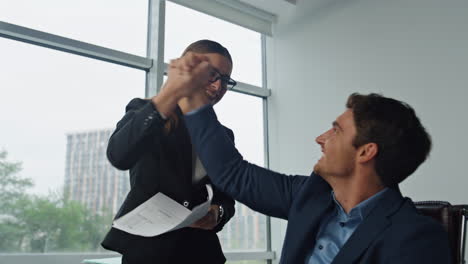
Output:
x=367 y=152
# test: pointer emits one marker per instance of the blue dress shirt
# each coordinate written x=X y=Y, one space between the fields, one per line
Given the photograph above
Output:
x=337 y=227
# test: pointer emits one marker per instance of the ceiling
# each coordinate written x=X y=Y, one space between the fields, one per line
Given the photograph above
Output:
x=277 y=7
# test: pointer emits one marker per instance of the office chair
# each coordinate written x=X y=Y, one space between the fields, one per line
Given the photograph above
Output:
x=454 y=220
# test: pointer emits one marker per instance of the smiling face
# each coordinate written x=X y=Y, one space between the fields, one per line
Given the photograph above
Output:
x=216 y=90
x=339 y=154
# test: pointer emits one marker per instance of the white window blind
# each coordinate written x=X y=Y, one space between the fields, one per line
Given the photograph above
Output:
x=235 y=12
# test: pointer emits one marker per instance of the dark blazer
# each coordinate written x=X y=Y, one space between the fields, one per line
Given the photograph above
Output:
x=393 y=232
x=161 y=162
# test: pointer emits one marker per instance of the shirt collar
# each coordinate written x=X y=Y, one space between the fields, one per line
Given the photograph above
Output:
x=361 y=210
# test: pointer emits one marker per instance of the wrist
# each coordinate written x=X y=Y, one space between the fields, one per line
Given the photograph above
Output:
x=165 y=103
x=220 y=213
x=187 y=105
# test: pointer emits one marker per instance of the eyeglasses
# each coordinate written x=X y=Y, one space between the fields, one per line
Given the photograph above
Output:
x=226 y=81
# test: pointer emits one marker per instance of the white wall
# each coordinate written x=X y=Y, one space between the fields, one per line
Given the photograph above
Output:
x=415 y=51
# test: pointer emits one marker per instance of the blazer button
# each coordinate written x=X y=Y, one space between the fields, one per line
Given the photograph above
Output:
x=186 y=203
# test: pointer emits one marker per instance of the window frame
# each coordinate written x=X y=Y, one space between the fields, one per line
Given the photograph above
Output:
x=154 y=66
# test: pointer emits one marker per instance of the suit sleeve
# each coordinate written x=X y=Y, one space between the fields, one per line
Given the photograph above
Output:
x=140 y=124
x=224 y=200
x=262 y=190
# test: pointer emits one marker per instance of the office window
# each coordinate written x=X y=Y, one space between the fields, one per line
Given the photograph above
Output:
x=244 y=115
x=57 y=113
x=59 y=109
x=243 y=44
x=116 y=24
x=241 y=113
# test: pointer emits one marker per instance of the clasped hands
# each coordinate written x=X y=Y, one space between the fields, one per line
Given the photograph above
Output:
x=187 y=78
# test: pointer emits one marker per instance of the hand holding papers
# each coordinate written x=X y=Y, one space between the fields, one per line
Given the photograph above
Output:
x=161 y=214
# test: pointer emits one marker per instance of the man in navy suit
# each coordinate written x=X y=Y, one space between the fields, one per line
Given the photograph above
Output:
x=350 y=209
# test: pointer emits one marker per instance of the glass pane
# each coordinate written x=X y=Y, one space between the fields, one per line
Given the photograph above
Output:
x=247 y=229
x=116 y=24
x=57 y=113
x=246 y=122
x=243 y=44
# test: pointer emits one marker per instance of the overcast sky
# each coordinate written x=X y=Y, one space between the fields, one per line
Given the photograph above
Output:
x=46 y=94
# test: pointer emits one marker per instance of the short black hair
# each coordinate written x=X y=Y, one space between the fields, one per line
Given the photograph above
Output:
x=208 y=46
x=403 y=143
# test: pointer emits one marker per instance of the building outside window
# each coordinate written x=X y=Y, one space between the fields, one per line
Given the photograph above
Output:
x=58 y=192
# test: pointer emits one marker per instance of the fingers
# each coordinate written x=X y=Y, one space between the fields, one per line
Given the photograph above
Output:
x=189 y=61
x=194 y=58
x=187 y=78
x=180 y=66
x=202 y=224
x=205 y=226
x=194 y=64
x=207 y=222
x=203 y=72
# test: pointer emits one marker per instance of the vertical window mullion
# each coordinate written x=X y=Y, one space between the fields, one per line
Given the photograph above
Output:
x=265 y=135
x=155 y=46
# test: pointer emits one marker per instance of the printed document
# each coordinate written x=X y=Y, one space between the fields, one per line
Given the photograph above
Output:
x=161 y=214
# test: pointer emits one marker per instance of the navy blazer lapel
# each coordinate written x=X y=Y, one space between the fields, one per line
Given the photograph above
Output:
x=370 y=228
x=305 y=222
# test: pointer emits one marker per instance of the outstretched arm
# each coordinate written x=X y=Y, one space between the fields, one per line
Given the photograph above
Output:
x=262 y=190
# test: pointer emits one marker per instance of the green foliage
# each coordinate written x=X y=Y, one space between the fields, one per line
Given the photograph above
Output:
x=33 y=223
x=11 y=234
x=12 y=186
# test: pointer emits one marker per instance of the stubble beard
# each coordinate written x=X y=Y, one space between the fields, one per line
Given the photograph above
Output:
x=317 y=170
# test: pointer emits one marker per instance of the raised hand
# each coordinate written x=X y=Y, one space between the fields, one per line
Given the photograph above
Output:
x=187 y=78
x=188 y=74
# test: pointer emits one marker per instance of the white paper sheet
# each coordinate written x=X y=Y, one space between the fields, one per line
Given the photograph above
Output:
x=161 y=214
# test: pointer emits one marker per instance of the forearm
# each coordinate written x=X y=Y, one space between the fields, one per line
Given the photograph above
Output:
x=237 y=178
x=129 y=141
x=166 y=101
